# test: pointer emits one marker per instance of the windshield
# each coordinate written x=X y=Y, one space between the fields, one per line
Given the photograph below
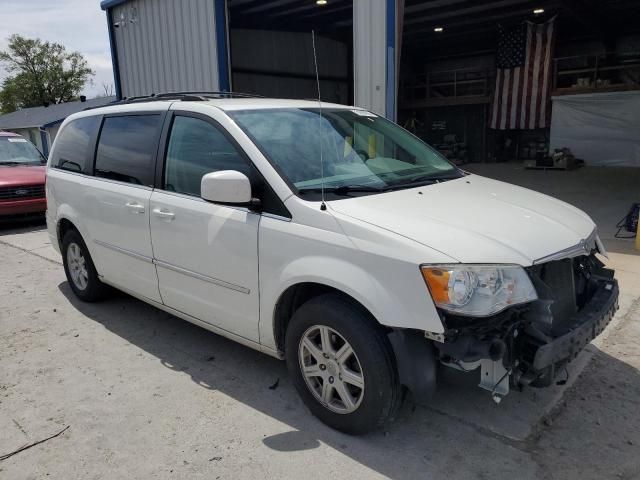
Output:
x=18 y=151
x=361 y=152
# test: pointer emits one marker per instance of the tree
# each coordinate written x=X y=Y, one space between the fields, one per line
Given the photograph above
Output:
x=40 y=73
x=108 y=89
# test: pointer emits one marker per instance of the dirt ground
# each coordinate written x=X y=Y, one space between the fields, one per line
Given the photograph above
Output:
x=146 y=395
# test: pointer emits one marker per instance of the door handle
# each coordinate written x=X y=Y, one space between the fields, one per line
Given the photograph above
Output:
x=164 y=214
x=135 y=207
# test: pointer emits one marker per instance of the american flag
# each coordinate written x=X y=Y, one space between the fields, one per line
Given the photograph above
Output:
x=522 y=98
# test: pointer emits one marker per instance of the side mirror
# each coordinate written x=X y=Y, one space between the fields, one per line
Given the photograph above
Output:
x=228 y=187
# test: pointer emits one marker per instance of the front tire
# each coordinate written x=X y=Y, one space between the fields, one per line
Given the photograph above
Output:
x=342 y=365
x=78 y=266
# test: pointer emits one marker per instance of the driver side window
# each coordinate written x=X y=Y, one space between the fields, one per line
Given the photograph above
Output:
x=197 y=147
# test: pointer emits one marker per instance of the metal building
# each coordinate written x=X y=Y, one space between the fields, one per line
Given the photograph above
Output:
x=456 y=87
x=205 y=45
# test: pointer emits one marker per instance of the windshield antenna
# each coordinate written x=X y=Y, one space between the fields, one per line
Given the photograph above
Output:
x=323 y=206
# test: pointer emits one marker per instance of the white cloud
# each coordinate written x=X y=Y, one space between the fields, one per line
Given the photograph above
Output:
x=79 y=25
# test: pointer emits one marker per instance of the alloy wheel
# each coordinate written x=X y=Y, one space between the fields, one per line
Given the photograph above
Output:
x=77 y=266
x=331 y=369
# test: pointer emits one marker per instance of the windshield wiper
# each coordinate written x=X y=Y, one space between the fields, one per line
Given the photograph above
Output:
x=342 y=189
x=10 y=163
x=425 y=180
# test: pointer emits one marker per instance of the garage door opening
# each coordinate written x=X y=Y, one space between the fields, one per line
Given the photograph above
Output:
x=478 y=101
x=271 y=51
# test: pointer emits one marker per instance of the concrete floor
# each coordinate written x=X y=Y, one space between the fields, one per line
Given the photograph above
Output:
x=147 y=395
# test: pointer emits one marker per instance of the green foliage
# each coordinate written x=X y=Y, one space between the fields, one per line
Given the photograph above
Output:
x=40 y=73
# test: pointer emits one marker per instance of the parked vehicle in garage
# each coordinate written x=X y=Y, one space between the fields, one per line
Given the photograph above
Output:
x=330 y=237
x=22 y=177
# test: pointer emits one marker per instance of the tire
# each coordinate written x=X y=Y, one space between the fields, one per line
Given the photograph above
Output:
x=76 y=255
x=372 y=362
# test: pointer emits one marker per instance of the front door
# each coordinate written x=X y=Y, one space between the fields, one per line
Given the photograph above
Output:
x=206 y=254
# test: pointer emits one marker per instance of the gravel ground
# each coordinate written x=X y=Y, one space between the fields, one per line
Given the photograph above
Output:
x=146 y=395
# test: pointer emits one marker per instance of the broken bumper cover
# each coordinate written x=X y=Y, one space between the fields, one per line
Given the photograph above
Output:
x=588 y=324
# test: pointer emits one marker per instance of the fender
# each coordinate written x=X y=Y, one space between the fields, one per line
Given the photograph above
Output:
x=347 y=277
x=339 y=274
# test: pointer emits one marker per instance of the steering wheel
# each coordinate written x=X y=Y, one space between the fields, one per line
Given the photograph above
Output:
x=363 y=154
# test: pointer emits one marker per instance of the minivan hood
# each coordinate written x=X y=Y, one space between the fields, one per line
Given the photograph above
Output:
x=474 y=219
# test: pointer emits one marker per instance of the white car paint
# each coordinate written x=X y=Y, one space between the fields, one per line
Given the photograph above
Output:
x=475 y=220
x=225 y=268
x=232 y=186
x=207 y=261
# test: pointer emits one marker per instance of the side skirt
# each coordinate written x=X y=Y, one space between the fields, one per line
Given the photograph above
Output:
x=207 y=326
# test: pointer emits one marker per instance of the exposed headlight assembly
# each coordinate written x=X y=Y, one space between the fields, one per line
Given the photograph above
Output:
x=478 y=290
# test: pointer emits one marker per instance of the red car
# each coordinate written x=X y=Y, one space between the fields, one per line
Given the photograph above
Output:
x=22 y=177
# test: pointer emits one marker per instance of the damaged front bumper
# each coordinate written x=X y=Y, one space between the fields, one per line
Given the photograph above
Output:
x=553 y=353
x=531 y=344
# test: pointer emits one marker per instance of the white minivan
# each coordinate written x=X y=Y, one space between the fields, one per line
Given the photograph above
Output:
x=328 y=236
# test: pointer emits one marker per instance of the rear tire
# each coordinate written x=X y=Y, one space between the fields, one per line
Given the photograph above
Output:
x=81 y=273
x=351 y=385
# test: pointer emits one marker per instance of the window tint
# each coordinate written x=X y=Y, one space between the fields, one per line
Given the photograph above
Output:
x=126 y=148
x=72 y=144
x=196 y=148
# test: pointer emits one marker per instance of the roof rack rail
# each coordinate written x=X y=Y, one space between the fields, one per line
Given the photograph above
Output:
x=179 y=96
x=187 y=96
x=213 y=94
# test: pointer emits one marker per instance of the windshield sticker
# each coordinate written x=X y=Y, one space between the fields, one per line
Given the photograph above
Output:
x=364 y=113
x=17 y=140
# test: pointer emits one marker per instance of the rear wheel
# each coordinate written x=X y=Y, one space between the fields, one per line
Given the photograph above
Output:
x=79 y=268
x=342 y=365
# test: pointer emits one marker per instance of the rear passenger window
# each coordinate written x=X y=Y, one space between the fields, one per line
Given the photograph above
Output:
x=72 y=144
x=196 y=148
x=126 y=148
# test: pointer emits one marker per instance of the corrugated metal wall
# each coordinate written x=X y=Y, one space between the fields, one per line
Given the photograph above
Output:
x=166 y=45
x=280 y=64
x=370 y=55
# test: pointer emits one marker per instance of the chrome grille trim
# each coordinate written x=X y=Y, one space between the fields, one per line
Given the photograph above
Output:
x=584 y=247
x=22 y=192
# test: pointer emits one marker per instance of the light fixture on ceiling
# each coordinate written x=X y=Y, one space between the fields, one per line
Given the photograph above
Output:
x=538 y=11
x=438 y=29
x=321 y=2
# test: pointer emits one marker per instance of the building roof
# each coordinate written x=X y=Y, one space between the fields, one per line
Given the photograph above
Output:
x=104 y=4
x=37 y=117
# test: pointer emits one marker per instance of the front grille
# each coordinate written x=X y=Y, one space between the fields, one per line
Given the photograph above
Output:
x=21 y=192
x=566 y=287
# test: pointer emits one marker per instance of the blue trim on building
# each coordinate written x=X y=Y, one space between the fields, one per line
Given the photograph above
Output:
x=114 y=56
x=222 y=47
x=390 y=94
x=44 y=138
x=106 y=4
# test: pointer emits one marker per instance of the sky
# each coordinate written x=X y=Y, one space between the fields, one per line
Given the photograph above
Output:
x=79 y=25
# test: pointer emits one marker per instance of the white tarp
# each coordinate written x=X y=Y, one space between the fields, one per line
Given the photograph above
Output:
x=600 y=128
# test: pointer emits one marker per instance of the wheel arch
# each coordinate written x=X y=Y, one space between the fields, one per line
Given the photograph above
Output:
x=66 y=218
x=62 y=227
x=414 y=356
x=294 y=296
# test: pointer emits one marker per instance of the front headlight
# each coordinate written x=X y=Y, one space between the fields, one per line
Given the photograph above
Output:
x=478 y=290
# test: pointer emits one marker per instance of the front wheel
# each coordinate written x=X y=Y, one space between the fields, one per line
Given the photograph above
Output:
x=342 y=365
